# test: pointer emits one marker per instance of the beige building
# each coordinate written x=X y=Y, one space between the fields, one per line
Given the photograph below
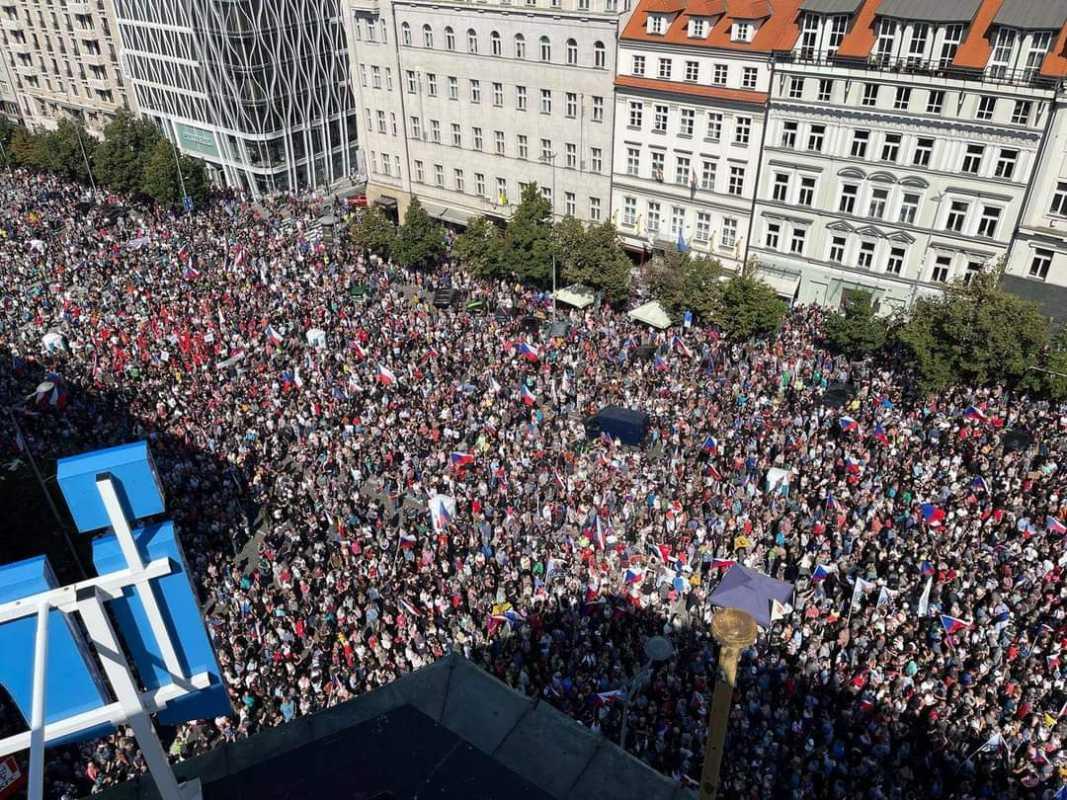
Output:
x=60 y=59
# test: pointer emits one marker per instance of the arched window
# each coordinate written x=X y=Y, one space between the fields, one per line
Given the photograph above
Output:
x=572 y=52
x=405 y=34
x=472 y=41
x=600 y=55
x=494 y=44
x=427 y=36
x=520 y=46
x=450 y=39
x=546 y=49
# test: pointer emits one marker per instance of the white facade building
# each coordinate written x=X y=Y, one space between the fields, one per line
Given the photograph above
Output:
x=463 y=104
x=689 y=121
x=258 y=89
x=60 y=60
x=898 y=161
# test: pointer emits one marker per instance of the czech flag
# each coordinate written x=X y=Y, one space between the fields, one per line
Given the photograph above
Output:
x=461 y=459
x=407 y=540
x=681 y=347
x=526 y=395
x=711 y=444
x=932 y=515
x=357 y=348
x=974 y=412
x=528 y=351
x=603 y=698
x=722 y=564
x=274 y=336
x=820 y=574
x=386 y=375
x=848 y=424
x=852 y=467
x=953 y=625
x=660 y=363
x=979 y=484
x=879 y=434
x=1054 y=525
x=927 y=569
x=634 y=575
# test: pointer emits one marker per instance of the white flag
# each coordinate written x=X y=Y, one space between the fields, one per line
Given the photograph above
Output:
x=886 y=596
x=995 y=742
x=924 y=600
x=861 y=588
x=779 y=610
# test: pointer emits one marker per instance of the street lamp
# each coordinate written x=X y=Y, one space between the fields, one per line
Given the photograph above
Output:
x=734 y=630
x=551 y=159
x=657 y=650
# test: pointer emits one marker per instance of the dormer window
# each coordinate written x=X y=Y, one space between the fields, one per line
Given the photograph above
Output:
x=741 y=32
x=698 y=28
x=657 y=24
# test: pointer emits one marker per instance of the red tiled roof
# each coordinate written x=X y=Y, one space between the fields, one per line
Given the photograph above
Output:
x=859 y=41
x=779 y=23
x=975 y=49
x=691 y=89
x=1055 y=63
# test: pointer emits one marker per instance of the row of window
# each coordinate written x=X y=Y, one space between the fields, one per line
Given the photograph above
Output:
x=891 y=145
x=711 y=128
x=651 y=224
x=906 y=98
x=685 y=171
x=518 y=45
x=692 y=71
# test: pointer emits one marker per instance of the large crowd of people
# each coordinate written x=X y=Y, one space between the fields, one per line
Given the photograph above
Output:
x=921 y=653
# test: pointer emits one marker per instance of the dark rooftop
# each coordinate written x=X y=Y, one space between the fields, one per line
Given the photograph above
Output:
x=447 y=731
x=1052 y=299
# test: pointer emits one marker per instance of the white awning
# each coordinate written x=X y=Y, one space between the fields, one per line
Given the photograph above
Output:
x=452 y=215
x=577 y=295
x=651 y=314
x=784 y=285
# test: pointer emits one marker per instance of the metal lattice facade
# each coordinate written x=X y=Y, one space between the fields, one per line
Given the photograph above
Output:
x=259 y=88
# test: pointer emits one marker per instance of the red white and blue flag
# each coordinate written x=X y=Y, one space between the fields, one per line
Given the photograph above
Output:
x=386 y=375
x=974 y=412
x=461 y=459
x=526 y=395
x=711 y=444
x=821 y=573
x=1053 y=525
x=932 y=515
x=681 y=347
x=528 y=351
x=953 y=624
x=879 y=434
x=847 y=423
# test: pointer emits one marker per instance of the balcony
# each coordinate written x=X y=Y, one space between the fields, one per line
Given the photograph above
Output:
x=94 y=59
x=9 y=24
x=20 y=47
x=99 y=84
x=85 y=9
x=26 y=70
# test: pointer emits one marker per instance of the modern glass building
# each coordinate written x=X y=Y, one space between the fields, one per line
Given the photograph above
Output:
x=259 y=89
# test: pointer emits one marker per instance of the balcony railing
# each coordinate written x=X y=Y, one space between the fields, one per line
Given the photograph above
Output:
x=933 y=69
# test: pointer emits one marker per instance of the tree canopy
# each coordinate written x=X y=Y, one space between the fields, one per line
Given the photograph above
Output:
x=479 y=248
x=420 y=239
x=528 y=241
x=858 y=331
x=592 y=256
x=683 y=282
x=974 y=333
x=373 y=233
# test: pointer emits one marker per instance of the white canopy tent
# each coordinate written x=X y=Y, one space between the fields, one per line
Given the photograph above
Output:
x=651 y=313
x=576 y=295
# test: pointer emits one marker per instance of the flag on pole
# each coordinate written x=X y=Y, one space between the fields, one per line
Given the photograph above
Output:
x=927 y=568
x=722 y=564
x=711 y=444
x=442 y=510
x=953 y=624
x=633 y=575
x=460 y=459
x=973 y=412
x=924 y=599
x=526 y=395
x=979 y=484
x=604 y=698
x=275 y=336
x=407 y=540
x=660 y=363
x=932 y=515
x=822 y=572
x=357 y=348
x=779 y=610
x=528 y=351
x=681 y=347
x=861 y=587
x=879 y=434
x=386 y=375
x=1053 y=525
x=847 y=424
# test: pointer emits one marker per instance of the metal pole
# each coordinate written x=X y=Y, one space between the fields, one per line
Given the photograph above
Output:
x=553 y=162
x=25 y=447
x=37 y=713
x=89 y=169
x=178 y=164
x=734 y=630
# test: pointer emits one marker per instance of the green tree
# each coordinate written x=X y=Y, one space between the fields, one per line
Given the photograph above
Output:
x=64 y=149
x=29 y=149
x=748 y=307
x=373 y=233
x=528 y=243
x=120 y=159
x=161 y=178
x=682 y=282
x=478 y=248
x=975 y=334
x=859 y=331
x=420 y=238
x=592 y=257
x=7 y=132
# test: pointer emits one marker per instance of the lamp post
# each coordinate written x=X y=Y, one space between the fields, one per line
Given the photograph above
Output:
x=85 y=157
x=551 y=159
x=657 y=650
x=734 y=630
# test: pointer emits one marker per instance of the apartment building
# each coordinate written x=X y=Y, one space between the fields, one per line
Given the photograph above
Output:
x=60 y=60
x=463 y=104
x=258 y=89
x=902 y=137
x=690 y=99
